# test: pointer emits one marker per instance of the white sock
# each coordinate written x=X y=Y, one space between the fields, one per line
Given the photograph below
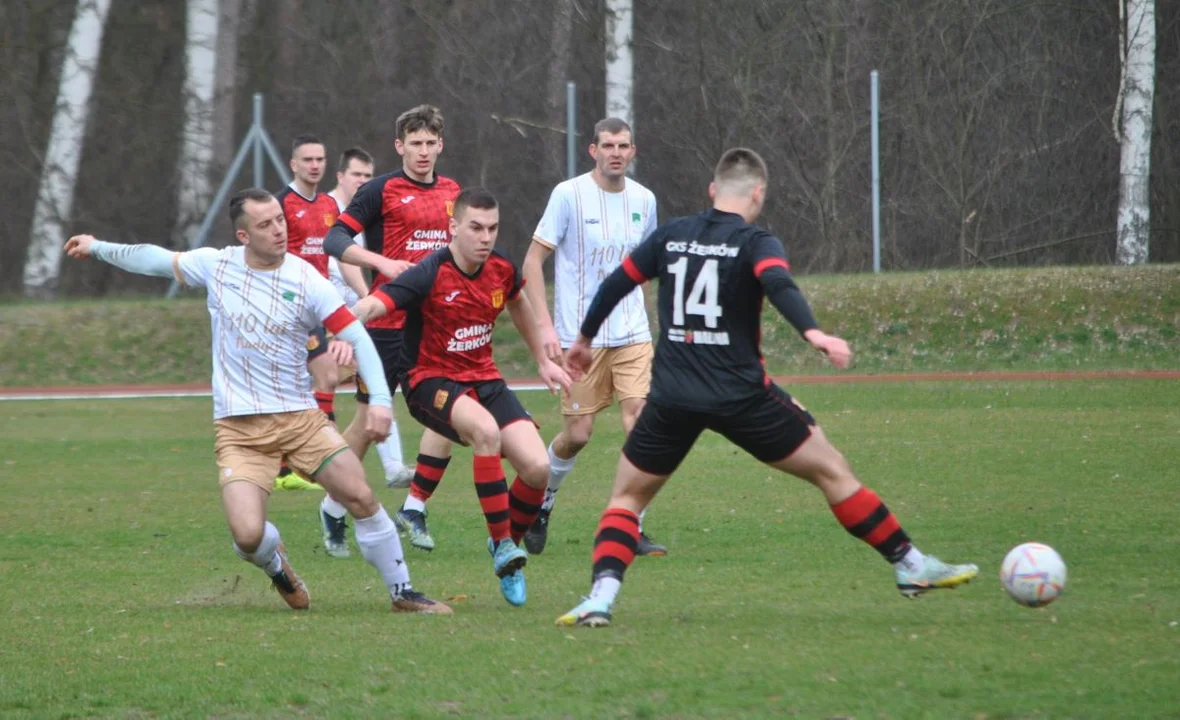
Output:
x=912 y=561
x=558 y=469
x=390 y=451
x=641 y=514
x=379 y=543
x=606 y=588
x=333 y=508
x=413 y=503
x=266 y=556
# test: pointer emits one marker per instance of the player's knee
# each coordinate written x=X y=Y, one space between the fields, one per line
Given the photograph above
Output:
x=534 y=471
x=357 y=497
x=485 y=437
x=247 y=536
x=578 y=432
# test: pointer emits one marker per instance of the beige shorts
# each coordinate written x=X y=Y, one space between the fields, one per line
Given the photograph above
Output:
x=250 y=447
x=624 y=372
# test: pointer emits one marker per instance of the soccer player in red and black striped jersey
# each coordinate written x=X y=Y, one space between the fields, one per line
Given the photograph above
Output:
x=309 y=215
x=715 y=268
x=453 y=387
x=405 y=216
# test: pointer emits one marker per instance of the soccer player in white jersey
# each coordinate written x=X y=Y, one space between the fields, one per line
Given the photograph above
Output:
x=356 y=169
x=592 y=222
x=263 y=302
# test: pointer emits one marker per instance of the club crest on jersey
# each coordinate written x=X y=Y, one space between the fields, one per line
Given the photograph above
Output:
x=440 y=399
x=313 y=342
x=329 y=220
x=450 y=205
x=498 y=298
x=636 y=218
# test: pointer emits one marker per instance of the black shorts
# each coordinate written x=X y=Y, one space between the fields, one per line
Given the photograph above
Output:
x=317 y=343
x=431 y=401
x=769 y=427
x=390 y=344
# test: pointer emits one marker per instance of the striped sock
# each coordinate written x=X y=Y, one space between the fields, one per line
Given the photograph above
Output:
x=615 y=543
x=427 y=475
x=492 y=489
x=865 y=516
x=524 y=503
x=327 y=403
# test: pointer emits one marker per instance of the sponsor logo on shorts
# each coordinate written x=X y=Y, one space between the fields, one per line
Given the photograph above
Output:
x=440 y=399
x=313 y=342
x=227 y=471
x=498 y=298
x=360 y=385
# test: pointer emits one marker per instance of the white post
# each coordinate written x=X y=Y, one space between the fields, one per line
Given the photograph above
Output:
x=876 y=151
x=620 y=71
x=1138 y=87
x=258 y=147
x=571 y=129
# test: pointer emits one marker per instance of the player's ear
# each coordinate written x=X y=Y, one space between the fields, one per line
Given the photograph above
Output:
x=593 y=150
x=712 y=191
x=454 y=226
x=242 y=236
x=399 y=146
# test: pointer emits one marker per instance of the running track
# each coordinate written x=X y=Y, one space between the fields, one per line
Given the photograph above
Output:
x=110 y=392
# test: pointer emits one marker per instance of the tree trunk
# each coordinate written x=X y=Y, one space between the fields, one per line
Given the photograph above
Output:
x=225 y=138
x=1134 y=217
x=620 y=77
x=196 y=147
x=59 y=172
x=559 y=71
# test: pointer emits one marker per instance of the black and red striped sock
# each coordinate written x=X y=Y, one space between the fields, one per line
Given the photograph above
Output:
x=615 y=542
x=492 y=489
x=865 y=516
x=284 y=469
x=427 y=475
x=524 y=503
x=327 y=403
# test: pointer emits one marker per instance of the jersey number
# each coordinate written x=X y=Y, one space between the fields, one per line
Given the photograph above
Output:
x=702 y=299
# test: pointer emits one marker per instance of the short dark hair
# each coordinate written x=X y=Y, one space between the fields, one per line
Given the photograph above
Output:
x=304 y=139
x=422 y=117
x=354 y=153
x=475 y=197
x=237 y=204
x=612 y=125
x=740 y=169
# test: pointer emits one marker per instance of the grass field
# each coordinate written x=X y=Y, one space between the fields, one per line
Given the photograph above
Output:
x=123 y=598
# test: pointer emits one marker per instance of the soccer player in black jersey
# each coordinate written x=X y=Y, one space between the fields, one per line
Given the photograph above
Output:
x=715 y=268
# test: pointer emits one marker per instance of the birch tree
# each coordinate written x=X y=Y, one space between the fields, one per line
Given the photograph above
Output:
x=59 y=170
x=196 y=146
x=620 y=70
x=1133 y=129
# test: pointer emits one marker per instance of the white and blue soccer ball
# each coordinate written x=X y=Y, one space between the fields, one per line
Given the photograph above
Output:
x=1033 y=574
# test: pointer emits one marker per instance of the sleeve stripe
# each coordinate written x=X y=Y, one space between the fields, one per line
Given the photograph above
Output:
x=387 y=301
x=339 y=320
x=542 y=241
x=176 y=270
x=633 y=271
x=351 y=222
x=767 y=263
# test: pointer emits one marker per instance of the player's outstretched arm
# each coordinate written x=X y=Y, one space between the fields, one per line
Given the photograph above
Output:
x=369 y=308
x=534 y=286
x=139 y=259
x=779 y=287
x=340 y=246
x=525 y=320
x=355 y=279
x=368 y=366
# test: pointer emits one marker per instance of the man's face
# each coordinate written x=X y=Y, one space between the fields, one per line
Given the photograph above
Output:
x=474 y=232
x=419 y=151
x=356 y=174
x=263 y=229
x=613 y=154
x=307 y=163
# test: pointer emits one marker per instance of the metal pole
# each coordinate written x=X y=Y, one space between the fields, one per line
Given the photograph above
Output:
x=876 y=150
x=275 y=159
x=571 y=129
x=258 y=149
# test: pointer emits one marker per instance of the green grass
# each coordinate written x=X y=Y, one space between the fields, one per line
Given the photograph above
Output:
x=1027 y=319
x=122 y=596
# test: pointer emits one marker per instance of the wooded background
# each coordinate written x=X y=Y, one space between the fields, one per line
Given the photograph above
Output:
x=997 y=145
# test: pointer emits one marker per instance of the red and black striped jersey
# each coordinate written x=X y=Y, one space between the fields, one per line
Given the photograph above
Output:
x=450 y=315
x=308 y=221
x=402 y=219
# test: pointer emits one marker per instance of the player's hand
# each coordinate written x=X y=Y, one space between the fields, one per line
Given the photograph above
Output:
x=577 y=359
x=340 y=351
x=378 y=421
x=392 y=268
x=836 y=349
x=550 y=345
x=78 y=247
x=554 y=376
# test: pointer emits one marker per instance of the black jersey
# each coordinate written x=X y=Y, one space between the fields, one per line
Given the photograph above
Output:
x=714 y=270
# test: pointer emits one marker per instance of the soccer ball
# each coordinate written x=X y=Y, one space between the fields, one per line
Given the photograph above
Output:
x=1033 y=574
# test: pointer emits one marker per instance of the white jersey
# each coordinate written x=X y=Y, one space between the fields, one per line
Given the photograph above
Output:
x=261 y=320
x=350 y=297
x=591 y=231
